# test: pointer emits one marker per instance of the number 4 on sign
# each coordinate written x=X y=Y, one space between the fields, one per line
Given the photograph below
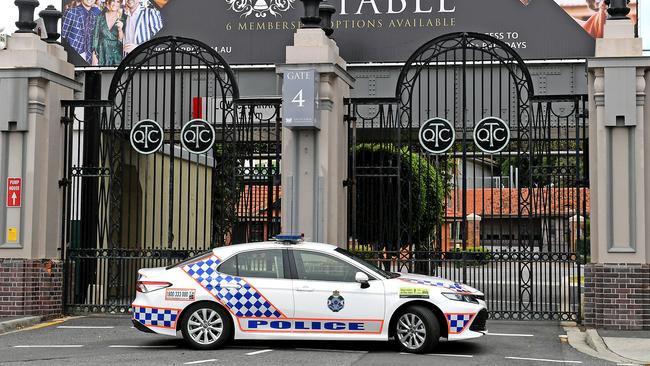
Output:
x=299 y=99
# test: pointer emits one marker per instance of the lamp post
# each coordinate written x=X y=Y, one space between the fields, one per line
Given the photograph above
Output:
x=617 y=9
x=26 y=23
x=326 y=11
x=311 y=18
x=51 y=18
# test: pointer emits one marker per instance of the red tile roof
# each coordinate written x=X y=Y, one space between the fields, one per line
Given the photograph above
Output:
x=488 y=202
x=253 y=200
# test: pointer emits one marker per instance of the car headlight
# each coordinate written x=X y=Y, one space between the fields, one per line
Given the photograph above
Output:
x=456 y=296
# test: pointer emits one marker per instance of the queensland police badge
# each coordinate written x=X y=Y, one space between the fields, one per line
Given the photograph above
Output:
x=336 y=302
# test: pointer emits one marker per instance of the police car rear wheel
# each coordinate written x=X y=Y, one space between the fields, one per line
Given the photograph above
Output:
x=417 y=330
x=206 y=327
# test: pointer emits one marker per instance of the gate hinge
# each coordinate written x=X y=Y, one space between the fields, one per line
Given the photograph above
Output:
x=348 y=183
x=65 y=120
x=347 y=118
x=64 y=182
x=584 y=114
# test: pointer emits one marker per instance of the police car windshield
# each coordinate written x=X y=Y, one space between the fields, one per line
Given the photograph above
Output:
x=367 y=264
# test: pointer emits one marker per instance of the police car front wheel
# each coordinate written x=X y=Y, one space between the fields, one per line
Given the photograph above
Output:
x=417 y=330
x=206 y=326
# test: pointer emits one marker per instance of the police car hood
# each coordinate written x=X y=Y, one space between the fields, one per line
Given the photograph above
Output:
x=436 y=282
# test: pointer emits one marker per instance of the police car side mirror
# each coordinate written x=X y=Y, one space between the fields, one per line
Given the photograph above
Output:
x=363 y=279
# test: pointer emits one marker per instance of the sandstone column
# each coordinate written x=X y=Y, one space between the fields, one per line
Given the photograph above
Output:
x=617 y=281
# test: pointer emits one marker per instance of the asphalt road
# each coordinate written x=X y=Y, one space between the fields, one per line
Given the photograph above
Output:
x=111 y=340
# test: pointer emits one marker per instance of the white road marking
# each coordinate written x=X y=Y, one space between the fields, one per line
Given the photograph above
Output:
x=83 y=327
x=50 y=346
x=510 y=334
x=201 y=361
x=439 y=354
x=133 y=346
x=258 y=352
x=329 y=350
x=541 y=359
x=448 y=355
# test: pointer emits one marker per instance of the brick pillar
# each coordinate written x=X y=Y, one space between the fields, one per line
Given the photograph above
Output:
x=577 y=228
x=473 y=231
x=31 y=287
x=617 y=296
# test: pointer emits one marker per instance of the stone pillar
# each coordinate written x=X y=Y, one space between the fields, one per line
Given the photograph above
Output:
x=34 y=78
x=315 y=162
x=617 y=281
x=473 y=231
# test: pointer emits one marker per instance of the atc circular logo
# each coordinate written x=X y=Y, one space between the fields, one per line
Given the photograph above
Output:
x=336 y=302
x=437 y=135
x=491 y=135
x=198 y=136
x=146 y=136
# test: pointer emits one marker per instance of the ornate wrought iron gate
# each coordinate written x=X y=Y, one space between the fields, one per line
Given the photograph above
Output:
x=510 y=222
x=126 y=210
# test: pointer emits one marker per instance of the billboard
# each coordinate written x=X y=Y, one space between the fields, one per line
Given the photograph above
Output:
x=102 y=32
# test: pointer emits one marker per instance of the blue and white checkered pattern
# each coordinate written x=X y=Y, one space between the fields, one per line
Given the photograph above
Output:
x=458 y=322
x=155 y=316
x=453 y=286
x=244 y=300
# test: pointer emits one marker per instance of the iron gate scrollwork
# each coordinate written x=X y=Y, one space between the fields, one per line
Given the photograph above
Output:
x=512 y=223
x=157 y=209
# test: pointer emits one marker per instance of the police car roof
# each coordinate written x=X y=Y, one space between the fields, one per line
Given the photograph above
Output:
x=231 y=249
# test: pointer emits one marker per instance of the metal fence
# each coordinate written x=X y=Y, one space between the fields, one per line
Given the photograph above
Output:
x=419 y=211
x=125 y=210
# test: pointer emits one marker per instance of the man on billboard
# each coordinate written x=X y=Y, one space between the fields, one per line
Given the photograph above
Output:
x=79 y=25
x=142 y=23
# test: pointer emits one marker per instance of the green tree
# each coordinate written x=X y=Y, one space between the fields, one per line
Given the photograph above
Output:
x=423 y=186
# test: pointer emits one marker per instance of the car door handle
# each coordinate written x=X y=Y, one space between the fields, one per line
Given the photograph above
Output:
x=230 y=285
x=305 y=289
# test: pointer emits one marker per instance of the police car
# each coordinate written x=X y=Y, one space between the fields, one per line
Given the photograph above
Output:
x=289 y=289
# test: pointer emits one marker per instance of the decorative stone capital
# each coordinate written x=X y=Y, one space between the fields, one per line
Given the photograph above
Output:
x=36 y=94
x=474 y=217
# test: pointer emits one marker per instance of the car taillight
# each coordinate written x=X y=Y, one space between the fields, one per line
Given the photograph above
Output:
x=148 y=286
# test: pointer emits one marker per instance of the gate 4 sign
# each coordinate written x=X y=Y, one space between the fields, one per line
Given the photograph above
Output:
x=146 y=136
x=300 y=99
x=491 y=135
x=437 y=135
x=198 y=136
x=14 y=192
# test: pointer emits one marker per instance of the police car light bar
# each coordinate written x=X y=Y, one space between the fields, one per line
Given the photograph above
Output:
x=290 y=238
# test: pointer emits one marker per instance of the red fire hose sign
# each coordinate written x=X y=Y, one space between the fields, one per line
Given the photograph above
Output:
x=14 y=191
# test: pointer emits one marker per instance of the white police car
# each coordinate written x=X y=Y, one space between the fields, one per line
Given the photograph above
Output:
x=296 y=290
